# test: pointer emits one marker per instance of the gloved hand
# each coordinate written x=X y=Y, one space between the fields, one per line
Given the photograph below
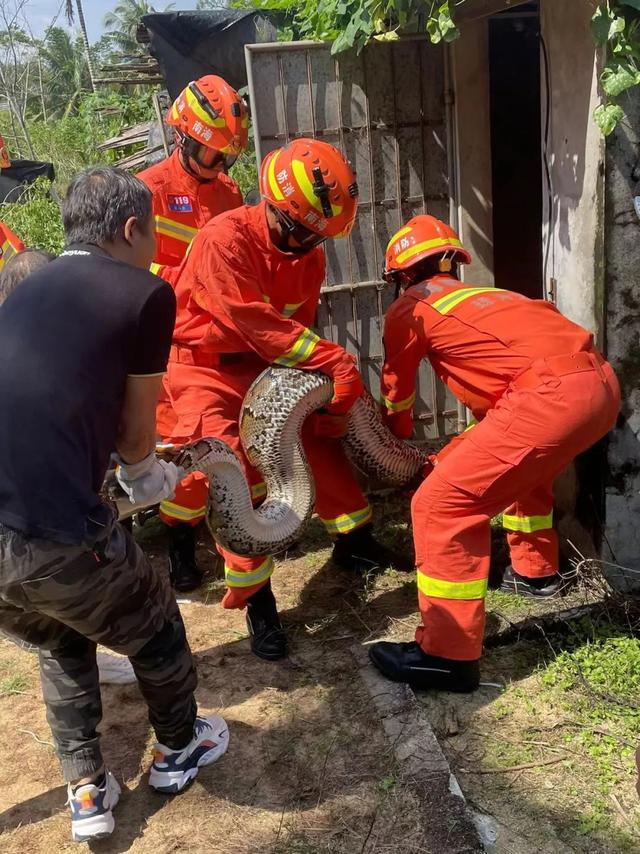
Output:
x=329 y=426
x=400 y=423
x=347 y=387
x=149 y=481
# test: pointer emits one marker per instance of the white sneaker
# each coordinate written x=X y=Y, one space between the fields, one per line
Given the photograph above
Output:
x=91 y=809
x=115 y=669
x=172 y=770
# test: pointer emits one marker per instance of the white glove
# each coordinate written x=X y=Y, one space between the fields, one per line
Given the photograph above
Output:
x=150 y=481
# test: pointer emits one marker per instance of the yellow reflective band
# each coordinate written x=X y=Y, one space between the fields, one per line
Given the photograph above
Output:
x=447 y=303
x=301 y=350
x=201 y=113
x=527 y=524
x=259 y=490
x=426 y=244
x=177 y=230
x=154 y=268
x=291 y=308
x=235 y=578
x=271 y=180
x=439 y=589
x=185 y=514
x=302 y=179
x=470 y=426
x=399 y=405
x=349 y=521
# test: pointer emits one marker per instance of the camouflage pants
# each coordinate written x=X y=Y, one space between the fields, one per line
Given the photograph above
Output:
x=67 y=599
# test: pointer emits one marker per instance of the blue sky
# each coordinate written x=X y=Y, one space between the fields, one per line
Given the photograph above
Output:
x=40 y=13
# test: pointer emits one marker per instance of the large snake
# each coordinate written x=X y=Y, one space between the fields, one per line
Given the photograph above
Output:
x=273 y=412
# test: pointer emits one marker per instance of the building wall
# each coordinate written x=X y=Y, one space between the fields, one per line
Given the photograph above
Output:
x=575 y=155
x=622 y=278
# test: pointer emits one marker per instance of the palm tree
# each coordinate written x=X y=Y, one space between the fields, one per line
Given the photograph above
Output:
x=66 y=70
x=69 y=11
x=124 y=20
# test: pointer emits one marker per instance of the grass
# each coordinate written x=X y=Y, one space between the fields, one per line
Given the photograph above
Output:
x=13 y=685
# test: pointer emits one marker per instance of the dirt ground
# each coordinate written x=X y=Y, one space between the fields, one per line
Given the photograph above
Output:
x=308 y=769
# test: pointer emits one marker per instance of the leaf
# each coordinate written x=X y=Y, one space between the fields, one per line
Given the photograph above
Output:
x=601 y=23
x=617 y=26
x=616 y=79
x=607 y=116
x=434 y=31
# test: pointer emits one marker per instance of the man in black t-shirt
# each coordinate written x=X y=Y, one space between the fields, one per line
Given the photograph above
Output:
x=83 y=346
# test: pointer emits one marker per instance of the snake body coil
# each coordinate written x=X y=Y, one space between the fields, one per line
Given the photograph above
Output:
x=273 y=412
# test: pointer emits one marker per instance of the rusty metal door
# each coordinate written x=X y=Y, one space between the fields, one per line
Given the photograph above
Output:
x=386 y=109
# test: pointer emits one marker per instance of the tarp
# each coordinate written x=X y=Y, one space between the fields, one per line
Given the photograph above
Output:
x=20 y=174
x=188 y=45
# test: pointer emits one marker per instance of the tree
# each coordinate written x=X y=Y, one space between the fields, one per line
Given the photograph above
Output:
x=124 y=20
x=66 y=71
x=212 y=4
x=69 y=11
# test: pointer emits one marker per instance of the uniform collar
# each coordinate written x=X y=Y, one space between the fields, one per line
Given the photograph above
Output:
x=79 y=249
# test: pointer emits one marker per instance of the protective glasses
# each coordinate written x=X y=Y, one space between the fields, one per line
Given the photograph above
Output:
x=305 y=238
x=207 y=158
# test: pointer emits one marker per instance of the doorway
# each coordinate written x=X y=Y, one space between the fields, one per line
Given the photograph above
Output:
x=516 y=158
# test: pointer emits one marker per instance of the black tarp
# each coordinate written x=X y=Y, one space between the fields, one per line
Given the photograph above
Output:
x=20 y=174
x=188 y=45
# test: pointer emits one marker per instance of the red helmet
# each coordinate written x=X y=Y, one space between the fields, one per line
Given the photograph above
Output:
x=211 y=113
x=313 y=184
x=422 y=237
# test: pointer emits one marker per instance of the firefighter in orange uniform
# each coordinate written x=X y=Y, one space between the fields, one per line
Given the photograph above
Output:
x=247 y=297
x=541 y=393
x=189 y=188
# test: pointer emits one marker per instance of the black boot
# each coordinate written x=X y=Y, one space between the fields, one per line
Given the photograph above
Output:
x=183 y=569
x=406 y=662
x=359 y=551
x=535 y=588
x=268 y=639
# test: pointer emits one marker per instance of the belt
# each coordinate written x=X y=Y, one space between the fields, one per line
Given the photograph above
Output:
x=203 y=359
x=586 y=360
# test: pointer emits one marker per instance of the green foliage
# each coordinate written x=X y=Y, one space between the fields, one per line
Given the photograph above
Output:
x=36 y=218
x=123 y=22
x=616 y=27
x=353 y=23
x=245 y=171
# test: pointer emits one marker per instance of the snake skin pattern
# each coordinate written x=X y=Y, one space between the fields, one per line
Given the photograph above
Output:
x=273 y=413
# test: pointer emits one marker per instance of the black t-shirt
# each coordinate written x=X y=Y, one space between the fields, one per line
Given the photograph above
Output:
x=70 y=334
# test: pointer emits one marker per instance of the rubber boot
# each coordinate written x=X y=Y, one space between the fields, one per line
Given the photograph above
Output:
x=407 y=662
x=535 y=588
x=268 y=639
x=359 y=551
x=183 y=569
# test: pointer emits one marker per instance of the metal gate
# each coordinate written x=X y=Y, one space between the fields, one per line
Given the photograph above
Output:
x=386 y=110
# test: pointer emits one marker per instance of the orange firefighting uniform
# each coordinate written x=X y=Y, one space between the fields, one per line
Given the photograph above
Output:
x=242 y=305
x=10 y=244
x=542 y=395
x=182 y=205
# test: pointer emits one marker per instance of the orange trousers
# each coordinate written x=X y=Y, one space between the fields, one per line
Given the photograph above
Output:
x=208 y=402
x=511 y=458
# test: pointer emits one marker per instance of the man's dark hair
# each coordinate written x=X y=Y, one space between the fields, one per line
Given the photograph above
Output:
x=19 y=267
x=98 y=203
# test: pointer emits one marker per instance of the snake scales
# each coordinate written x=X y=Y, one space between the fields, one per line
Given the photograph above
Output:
x=273 y=413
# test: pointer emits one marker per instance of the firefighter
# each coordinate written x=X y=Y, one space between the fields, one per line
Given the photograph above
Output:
x=10 y=244
x=247 y=296
x=541 y=393
x=189 y=188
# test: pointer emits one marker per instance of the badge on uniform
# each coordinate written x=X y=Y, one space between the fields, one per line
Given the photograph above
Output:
x=180 y=204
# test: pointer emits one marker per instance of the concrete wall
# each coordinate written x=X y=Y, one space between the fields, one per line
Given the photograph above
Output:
x=622 y=276
x=574 y=213
x=470 y=77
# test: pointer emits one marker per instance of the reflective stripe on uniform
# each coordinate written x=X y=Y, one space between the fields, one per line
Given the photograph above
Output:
x=177 y=230
x=154 y=268
x=348 y=521
x=399 y=405
x=8 y=251
x=301 y=350
x=291 y=308
x=445 y=304
x=439 y=589
x=235 y=578
x=527 y=524
x=426 y=244
x=185 y=514
x=258 y=490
